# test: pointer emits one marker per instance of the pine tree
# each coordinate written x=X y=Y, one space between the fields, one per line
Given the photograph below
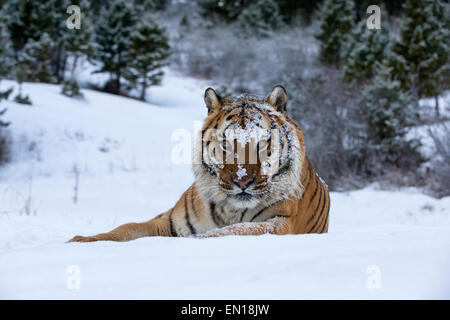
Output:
x=148 y=52
x=28 y=20
x=366 y=48
x=71 y=88
x=289 y=9
x=336 y=23
x=152 y=5
x=54 y=13
x=5 y=66
x=113 y=41
x=24 y=21
x=34 y=63
x=441 y=11
x=78 y=43
x=185 y=24
x=6 y=54
x=388 y=113
x=37 y=55
x=420 y=58
x=387 y=6
x=261 y=18
x=22 y=72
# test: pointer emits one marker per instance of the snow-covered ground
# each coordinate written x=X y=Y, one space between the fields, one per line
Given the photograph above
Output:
x=381 y=244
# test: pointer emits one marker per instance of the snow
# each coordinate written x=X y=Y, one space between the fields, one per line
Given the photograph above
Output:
x=380 y=245
x=245 y=135
x=242 y=172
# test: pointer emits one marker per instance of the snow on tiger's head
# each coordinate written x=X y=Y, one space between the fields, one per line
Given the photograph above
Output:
x=249 y=152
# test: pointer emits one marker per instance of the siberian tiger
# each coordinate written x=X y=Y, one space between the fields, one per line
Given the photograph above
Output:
x=231 y=195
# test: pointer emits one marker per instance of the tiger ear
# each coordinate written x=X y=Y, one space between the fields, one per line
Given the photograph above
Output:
x=212 y=100
x=278 y=98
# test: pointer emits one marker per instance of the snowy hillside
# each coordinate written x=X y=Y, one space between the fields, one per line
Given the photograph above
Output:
x=381 y=244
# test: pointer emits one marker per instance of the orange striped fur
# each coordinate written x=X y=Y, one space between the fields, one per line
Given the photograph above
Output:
x=222 y=201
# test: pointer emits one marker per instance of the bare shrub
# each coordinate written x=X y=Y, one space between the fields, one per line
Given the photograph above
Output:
x=244 y=64
x=439 y=178
x=327 y=111
x=339 y=137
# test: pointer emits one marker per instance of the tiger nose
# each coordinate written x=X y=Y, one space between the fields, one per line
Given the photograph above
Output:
x=243 y=182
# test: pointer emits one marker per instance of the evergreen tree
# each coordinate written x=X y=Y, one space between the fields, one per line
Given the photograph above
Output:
x=289 y=9
x=55 y=13
x=366 y=48
x=260 y=18
x=37 y=56
x=336 y=23
x=5 y=66
x=24 y=21
x=113 y=41
x=420 y=58
x=185 y=23
x=388 y=113
x=441 y=11
x=22 y=73
x=71 y=88
x=6 y=59
x=388 y=6
x=148 y=52
x=152 y=5
x=79 y=43
x=96 y=8
x=28 y=20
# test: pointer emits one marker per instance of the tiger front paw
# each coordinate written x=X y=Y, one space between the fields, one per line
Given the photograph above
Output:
x=83 y=239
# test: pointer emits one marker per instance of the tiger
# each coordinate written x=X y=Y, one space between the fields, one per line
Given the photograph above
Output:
x=279 y=193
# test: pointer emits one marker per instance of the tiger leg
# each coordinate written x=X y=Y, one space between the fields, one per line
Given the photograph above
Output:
x=158 y=226
x=277 y=225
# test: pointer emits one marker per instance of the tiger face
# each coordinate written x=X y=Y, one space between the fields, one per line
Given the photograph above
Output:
x=249 y=152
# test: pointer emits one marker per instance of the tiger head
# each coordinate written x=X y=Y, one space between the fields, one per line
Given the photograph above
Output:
x=249 y=151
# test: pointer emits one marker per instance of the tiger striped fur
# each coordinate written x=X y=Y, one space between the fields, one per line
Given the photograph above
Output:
x=240 y=199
